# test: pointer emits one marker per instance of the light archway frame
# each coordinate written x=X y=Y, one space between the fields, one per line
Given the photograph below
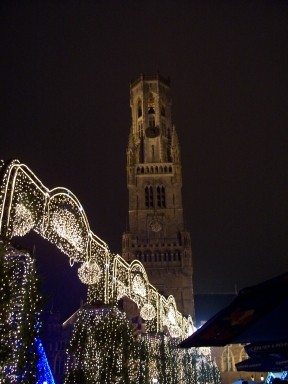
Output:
x=57 y=215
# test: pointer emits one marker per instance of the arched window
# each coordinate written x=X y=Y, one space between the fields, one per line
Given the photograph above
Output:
x=149 y=200
x=151 y=104
x=151 y=111
x=161 y=199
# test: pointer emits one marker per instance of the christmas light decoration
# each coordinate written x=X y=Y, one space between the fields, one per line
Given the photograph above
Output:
x=65 y=225
x=19 y=315
x=147 y=312
x=23 y=220
x=138 y=286
x=102 y=348
x=89 y=273
x=58 y=216
x=44 y=375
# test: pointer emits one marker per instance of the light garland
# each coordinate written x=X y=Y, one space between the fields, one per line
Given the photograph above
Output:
x=19 y=316
x=138 y=286
x=148 y=312
x=175 y=331
x=66 y=226
x=23 y=220
x=96 y=348
x=122 y=290
x=171 y=316
x=89 y=273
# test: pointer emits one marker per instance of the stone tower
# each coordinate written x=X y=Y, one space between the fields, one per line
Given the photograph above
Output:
x=156 y=234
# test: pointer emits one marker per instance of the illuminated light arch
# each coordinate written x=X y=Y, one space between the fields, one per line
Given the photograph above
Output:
x=171 y=317
x=57 y=215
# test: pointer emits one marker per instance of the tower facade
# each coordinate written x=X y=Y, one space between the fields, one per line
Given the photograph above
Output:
x=156 y=235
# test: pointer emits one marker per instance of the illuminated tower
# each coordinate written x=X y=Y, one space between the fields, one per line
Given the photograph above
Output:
x=156 y=234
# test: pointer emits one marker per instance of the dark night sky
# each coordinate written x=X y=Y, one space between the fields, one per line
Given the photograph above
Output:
x=65 y=73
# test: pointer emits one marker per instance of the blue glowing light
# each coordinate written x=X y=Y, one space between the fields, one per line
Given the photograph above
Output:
x=44 y=374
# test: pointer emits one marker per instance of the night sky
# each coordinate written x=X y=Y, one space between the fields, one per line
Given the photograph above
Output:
x=66 y=68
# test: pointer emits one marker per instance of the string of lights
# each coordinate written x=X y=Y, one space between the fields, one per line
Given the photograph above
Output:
x=19 y=315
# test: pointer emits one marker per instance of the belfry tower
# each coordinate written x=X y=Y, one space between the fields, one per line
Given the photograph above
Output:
x=156 y=234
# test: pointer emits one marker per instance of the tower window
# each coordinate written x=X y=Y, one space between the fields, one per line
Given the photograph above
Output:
x=139 y=108
x=149 y=200
x=161 y=199
x=151 y=105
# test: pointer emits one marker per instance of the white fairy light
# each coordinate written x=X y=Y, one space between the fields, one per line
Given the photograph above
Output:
x=122 y=291
x=148 y=312
x=206 y=351
x=65 y=225
x=190 y=329
x=138 y=286
x=175 y=331
x=171 y=315
x=23 y=220
x=19 y=305
x=89 y=273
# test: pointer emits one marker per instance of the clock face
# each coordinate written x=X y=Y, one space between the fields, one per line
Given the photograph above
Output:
x=152 y=132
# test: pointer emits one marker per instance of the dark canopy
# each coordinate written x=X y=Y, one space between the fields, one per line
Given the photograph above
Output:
x=258 y=314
